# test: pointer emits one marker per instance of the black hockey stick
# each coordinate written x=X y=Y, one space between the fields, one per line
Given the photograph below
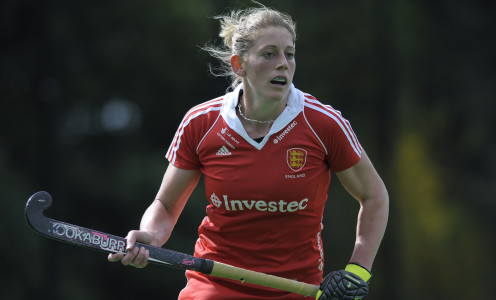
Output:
x=80 y=236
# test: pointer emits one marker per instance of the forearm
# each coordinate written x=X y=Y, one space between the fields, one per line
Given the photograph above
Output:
x=161 y=216
x=158 y=223
x=371 y=226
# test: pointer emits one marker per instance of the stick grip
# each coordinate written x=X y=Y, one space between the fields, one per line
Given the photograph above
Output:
x=243 y=275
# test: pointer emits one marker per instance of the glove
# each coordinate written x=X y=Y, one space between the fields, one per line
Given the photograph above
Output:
x=348 y=284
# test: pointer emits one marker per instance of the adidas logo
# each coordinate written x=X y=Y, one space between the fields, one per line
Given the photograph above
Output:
x=223 y=151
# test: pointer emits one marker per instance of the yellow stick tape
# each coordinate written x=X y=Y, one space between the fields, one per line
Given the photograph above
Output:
x=243 y=275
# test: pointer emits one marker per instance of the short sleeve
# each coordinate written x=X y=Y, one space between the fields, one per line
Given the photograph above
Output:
x=344 y=150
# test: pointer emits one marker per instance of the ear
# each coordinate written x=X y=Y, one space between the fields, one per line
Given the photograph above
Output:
x=236 y=65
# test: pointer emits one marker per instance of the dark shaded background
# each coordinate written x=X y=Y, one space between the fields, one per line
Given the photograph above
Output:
x=93 y=91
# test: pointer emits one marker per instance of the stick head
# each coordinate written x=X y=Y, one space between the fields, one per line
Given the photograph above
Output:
x=35 y=207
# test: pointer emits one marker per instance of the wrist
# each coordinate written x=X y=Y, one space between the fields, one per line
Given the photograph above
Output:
x=359 y=270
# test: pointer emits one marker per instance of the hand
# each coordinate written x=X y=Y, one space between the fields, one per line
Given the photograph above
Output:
x=135 y=256
x=348 y=284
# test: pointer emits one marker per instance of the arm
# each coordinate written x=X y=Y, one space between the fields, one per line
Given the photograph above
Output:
x=365 y=185
x=161 y=216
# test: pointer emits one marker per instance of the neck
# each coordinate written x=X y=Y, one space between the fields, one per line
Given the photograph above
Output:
x=257 y=110
x=256 y=125
x=252 y=120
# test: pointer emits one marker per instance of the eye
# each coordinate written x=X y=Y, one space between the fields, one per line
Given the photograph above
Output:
x=290 y=55
x=269 y=54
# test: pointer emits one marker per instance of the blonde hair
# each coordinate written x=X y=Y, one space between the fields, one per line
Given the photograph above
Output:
x=239 y=31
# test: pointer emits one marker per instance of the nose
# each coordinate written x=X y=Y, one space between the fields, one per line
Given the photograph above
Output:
x=282 y=61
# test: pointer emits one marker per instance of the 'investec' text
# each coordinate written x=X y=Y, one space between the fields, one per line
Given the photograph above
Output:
x=260 y=205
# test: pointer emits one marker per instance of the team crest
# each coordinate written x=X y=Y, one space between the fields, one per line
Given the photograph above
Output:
x=296 y=158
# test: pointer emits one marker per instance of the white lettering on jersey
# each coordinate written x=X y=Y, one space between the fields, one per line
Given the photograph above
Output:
x=294 y=176
x=285 y=132
x=225 y=140
x=227 y=137
x=259 y=205
x=321 y=251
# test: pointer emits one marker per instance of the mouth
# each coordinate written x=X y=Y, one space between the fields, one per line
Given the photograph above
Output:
x=279 y=80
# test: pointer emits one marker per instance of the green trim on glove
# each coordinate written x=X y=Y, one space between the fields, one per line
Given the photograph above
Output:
x=359 y=271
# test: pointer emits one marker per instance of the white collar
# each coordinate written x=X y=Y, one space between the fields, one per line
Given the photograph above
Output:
x=293 y=108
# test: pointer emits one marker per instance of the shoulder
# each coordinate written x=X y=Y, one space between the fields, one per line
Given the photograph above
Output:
x=329 y=125
x=203 y=112
x=211 y=107
x=319 y=113
x=195 y=124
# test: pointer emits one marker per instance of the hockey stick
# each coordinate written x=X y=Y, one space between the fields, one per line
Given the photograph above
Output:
x=80 y=236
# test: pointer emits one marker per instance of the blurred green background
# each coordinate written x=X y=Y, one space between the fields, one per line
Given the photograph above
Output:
x=93 y=91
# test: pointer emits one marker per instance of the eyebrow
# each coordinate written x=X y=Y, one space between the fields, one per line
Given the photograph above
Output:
x=276 y=47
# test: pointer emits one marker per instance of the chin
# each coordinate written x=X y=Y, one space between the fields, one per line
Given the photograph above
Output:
x=279 y=95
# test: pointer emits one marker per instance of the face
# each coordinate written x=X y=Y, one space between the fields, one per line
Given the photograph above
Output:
x=269 y=65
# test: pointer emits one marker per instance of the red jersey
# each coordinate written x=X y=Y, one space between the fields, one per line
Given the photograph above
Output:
x=265 y=200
